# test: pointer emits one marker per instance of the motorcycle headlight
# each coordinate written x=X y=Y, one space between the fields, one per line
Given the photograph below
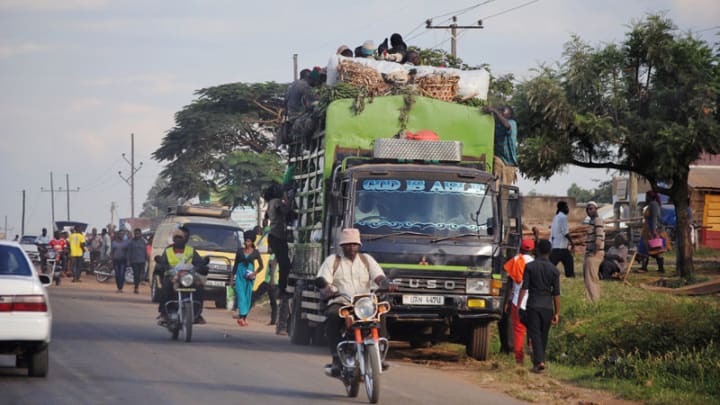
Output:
x=478 y=286
x=365 y=308
x=186 y=280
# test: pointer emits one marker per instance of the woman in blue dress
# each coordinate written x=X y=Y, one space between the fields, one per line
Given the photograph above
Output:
x=245 y=273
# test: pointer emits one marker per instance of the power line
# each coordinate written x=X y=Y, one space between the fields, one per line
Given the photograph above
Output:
x=510 y=9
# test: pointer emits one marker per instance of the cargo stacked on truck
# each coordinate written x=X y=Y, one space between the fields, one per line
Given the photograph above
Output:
x=428 y=211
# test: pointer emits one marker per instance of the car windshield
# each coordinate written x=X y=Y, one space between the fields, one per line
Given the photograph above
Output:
x=430 y=207
x=28 y=240
x=12 y=262
x=214 y=237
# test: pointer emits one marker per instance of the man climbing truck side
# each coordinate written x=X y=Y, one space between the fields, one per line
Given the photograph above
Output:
x=428 y=211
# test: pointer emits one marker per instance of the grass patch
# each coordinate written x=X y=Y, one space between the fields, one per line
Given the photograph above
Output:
x=656 y=348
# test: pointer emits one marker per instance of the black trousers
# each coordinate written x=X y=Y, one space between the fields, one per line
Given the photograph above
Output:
x=563 y=256
x=538 y=327
x=282 y=254
x=271 y=291
x=334 y=326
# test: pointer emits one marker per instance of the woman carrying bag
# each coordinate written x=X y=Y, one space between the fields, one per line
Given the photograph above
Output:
x=245 y=273
x=654 y=240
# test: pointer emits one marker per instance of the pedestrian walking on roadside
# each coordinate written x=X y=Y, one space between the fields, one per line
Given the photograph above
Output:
x=96 y=246
x=76 y=242
x=562 y=244
x=515 y=268
x=118 y=253
x=594 y=252
x=245 y=273
x=107 y=241
x=541 y=283
x=652 y=230
x=137 y=257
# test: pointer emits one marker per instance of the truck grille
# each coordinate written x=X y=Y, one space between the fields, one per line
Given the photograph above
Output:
x=422 y=284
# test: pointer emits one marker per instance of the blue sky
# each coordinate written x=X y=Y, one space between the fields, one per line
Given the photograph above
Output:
x=78 y=76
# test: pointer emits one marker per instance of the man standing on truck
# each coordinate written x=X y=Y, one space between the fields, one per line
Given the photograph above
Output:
x=505 y=161
x=344 y=274
x=277 y=214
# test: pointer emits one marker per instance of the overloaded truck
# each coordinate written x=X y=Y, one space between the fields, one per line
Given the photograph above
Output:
x=413 y=175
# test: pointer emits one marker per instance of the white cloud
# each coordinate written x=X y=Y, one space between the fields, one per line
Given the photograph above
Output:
x=8 y=49
x=50 y=5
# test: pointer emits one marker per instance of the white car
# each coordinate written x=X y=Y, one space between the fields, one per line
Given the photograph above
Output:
x=25 y=315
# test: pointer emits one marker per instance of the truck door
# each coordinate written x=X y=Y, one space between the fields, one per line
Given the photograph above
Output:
x=510 y=212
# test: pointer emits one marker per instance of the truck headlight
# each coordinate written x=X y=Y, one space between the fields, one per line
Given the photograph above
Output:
x=477 y=286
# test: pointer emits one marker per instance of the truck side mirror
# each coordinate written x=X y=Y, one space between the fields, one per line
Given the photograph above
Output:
x=513 y=208
x=491 y=226
x=335 y=204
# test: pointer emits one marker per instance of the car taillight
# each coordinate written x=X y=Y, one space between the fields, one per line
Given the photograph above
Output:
x=23 y=303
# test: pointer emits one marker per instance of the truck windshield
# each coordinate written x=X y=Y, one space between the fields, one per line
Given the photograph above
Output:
x=431 y=207
x=213 y=237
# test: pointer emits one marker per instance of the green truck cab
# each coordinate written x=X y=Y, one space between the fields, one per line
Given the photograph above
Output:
x=429 y=212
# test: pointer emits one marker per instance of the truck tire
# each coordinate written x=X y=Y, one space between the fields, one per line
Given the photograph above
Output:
x=38 y=363
x=478 y=343
x=299 y=328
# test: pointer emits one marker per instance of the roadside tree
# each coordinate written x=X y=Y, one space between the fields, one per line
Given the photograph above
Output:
x=648 y=105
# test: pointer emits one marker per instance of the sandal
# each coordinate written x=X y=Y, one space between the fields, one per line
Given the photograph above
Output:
x=641 y=270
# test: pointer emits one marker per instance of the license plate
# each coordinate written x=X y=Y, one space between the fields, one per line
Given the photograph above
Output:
x=423 y=300
x=215 y=283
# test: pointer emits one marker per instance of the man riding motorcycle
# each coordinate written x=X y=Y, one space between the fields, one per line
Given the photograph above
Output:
x=178 y=253
x=344 y=276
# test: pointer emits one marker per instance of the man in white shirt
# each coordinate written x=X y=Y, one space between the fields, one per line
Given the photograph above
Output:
x=562 y=243
x=350 y=273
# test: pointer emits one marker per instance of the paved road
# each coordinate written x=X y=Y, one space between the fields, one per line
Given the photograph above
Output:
x=106 y=349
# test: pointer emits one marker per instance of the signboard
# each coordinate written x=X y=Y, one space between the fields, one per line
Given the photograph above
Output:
x=245 y=217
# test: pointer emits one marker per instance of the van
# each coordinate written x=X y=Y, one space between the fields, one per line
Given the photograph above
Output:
x=212 y=234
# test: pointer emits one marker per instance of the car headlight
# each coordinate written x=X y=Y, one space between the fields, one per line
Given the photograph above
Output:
x=478 y=286
x=186 y=280
x=365 y=308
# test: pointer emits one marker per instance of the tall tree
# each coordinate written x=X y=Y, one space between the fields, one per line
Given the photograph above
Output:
x=648 y=105
x=224 y=120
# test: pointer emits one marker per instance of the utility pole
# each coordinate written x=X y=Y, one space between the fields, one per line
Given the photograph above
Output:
x=67 y=191
x=22 y=221
x=52 y=198
x=453 y=31
x=130 y=180
x=295 y=66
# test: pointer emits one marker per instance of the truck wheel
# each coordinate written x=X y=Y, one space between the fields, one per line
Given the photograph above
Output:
x=478 y=344
x=318 y=336
x=299 y=328
x=38 y=364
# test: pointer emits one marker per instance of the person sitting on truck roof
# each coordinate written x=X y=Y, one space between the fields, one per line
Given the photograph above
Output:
x=343 y=50
x=298 y=96
x=344 y=275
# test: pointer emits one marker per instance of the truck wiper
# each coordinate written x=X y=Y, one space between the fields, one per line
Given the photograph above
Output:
x=462 y=235
x=376 y=237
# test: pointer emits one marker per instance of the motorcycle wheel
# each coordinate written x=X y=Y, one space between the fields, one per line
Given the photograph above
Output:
x=175 y=331
x=372 y=373
x=188 y=321
x=351 y=379
x=101 y=276
x=154 y=296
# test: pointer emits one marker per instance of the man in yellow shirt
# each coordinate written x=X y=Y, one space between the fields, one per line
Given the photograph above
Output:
x=77 y=246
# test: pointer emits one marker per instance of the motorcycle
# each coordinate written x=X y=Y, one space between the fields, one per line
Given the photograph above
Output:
x=104 y=271
x=53 y=265
x=362 y=350
x=183 y=312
